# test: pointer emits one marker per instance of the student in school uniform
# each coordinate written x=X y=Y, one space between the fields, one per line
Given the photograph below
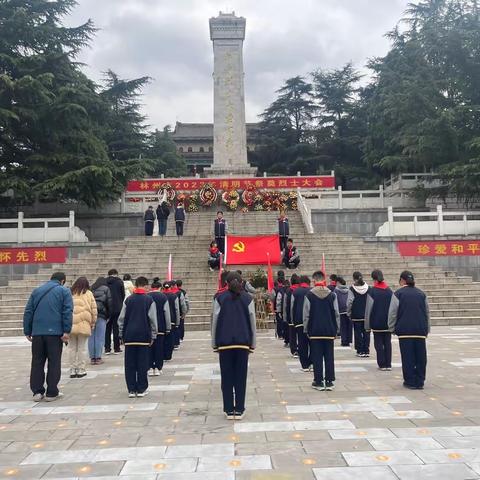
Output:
x=286 y=326
x=409 y=319
x=149 y=219
x=296 y=308
x=341 y=291
x=182 y=304
x=174 y=305
x=164 y=325
x=187 y=308
x=287 y=314
x=220 y=230
x=291 y=257
x=278 y=299
x=333 y=282
x=214 y=257
x=376 y=319
x=179 y=218
x=321 y=322
x=283 y=230
x=138 y=330
x=233 y=337
x=356 y=304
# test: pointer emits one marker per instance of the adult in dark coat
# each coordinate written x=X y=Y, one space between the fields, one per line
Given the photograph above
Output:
x=117 y=290
x=163 y=211
x=179 y=219
x=149 y=220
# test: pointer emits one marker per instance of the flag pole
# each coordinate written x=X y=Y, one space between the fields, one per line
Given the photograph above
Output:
x=220 y=272
x=169 y=269
x=324 y=268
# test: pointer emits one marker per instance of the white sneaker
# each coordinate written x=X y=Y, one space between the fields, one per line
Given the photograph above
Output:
x=52 y=399
x=38 y=397
x=143 y=394
x=305 y=369
x=151 y=372
x=211 y=269
x=156 y=372
x=131 y=394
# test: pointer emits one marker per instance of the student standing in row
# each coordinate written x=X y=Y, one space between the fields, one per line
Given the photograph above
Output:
x=84 y=318
x=321 y=322
x=409 y=319
x=341 y=291
x=164 y=325
x=278 y=300
x=187 y=308
x=149 y=220
x=174 y=305
x=356 y=304
x=287 y=314
x=220 y=231
x=376 y=319
x=138 y=329
x=233 y=337
x=298 y=298
x=179 y=219
x=96 y=341
x=333 y=282
x=283 y=231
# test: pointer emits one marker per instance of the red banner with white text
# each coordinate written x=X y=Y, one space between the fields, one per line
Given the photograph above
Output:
x=32 y=255
x=252 y=250
x=191 y=184
x=451 y=248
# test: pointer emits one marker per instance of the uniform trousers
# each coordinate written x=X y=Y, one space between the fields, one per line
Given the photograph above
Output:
x=136 y=367
x=414 y=361
x=383 y=347
x=233 y=370
x=157 y=352
x=321 y=352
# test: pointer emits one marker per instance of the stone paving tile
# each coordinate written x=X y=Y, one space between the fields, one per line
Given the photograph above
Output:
x=460 y=455
x=434 y=472
x=426 y=443
x=398 y=457
x=84 y=470
x=354 y=473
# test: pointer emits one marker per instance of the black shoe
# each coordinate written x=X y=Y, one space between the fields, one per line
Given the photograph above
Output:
x=410 y=387
x=318 y=386
x=230 y=415
x=81 y=375
x=239 y=415
x=73 y=375
x=329 y=386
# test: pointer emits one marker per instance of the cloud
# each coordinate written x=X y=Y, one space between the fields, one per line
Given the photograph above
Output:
x=169 y=41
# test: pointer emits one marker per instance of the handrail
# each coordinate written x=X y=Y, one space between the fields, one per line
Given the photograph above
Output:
x=304 y=212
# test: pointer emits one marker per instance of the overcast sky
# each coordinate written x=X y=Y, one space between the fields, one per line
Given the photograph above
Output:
x=168 y=40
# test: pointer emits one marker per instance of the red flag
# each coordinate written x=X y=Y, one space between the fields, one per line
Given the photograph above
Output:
x=170 y=270
x=270 y=283
x=220 y=272
x=324 y=268
x=252 y=250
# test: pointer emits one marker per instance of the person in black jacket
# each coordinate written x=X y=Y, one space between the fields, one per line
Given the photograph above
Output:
x=103 y=298
x=287 y=314
x=149 y=220
x=220 y=231
x=376 y=319
x=164 y=326
x=179 y=219
x=138 y=330
x=283 y=230
x=321 y=323
x=233 y=337
x=291 y=258
x=163 y=211
x=117 y=289
x=409 y=319
x=356 y=304
x=296 y=309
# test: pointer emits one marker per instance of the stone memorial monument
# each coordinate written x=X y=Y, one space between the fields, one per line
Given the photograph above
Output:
x=227 y=33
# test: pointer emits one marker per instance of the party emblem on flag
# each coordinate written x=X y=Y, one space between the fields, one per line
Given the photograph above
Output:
x=238 y=247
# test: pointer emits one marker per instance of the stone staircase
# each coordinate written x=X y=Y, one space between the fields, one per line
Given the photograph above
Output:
x=453 y=299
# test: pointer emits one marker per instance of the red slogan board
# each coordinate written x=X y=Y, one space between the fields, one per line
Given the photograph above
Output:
x=32 y=255
x=458 y=248
x=252 y=250
x=276 y=183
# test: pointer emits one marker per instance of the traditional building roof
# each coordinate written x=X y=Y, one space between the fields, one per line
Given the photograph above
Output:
x=202 y=131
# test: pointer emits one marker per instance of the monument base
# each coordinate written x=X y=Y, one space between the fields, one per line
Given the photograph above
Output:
x=221 y=172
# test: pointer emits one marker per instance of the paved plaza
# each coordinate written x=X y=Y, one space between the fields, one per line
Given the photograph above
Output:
x=369 y=426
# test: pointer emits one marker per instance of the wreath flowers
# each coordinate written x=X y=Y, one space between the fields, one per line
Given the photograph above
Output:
x=208 y=195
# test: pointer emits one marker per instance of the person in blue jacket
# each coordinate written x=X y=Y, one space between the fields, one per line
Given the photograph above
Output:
x=47 y=323
x=138 y=330
x=376 y=319
x=409 y=319
x=179 y=218
x=321 y=323
x=233 y=337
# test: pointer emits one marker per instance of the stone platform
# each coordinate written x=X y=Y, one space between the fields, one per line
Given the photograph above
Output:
x=369 y=427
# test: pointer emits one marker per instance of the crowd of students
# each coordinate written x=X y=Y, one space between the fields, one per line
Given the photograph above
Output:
x=148 y=320
x=309 y=319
